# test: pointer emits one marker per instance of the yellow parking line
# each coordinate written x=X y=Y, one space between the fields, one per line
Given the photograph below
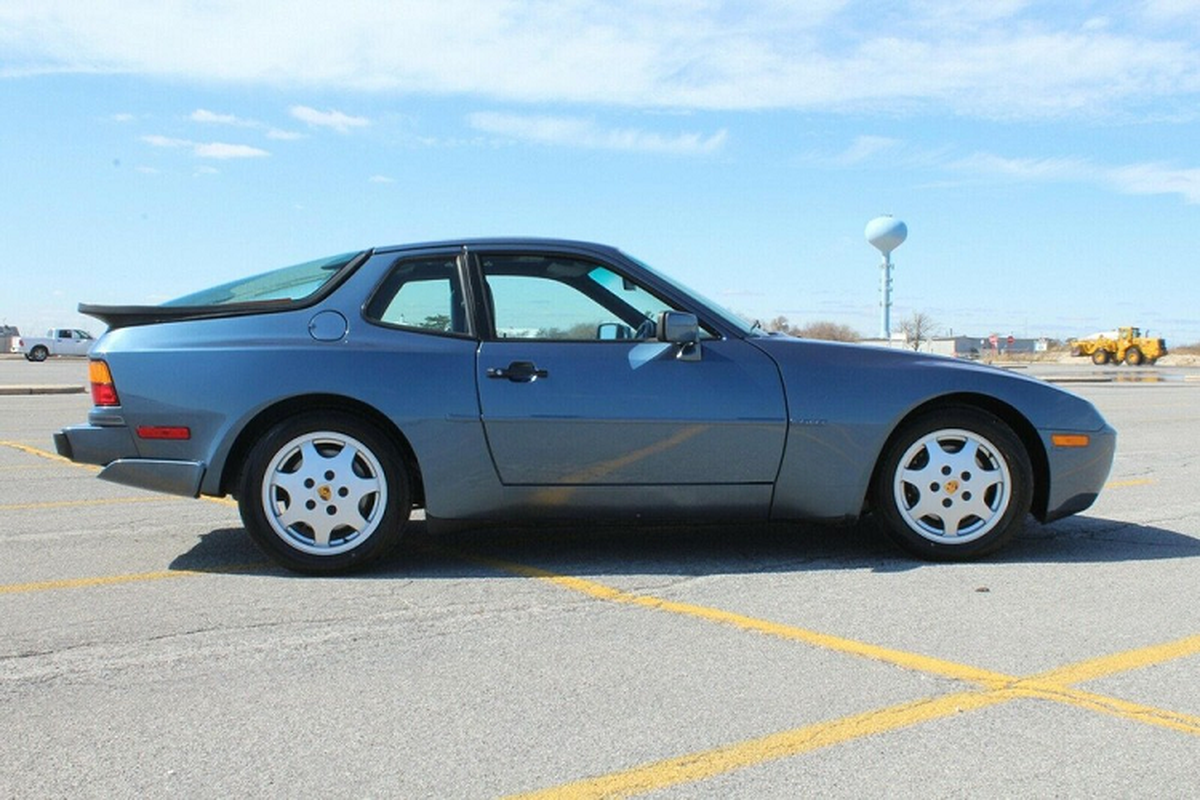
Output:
x=1126 y=661
x=102 y=501
x=900 y=658
x=135 y=577
x=1128 y=483
x=707 y=764
x=996 y=688
x=1103 y=704
x=35 y=451
x=103 y=580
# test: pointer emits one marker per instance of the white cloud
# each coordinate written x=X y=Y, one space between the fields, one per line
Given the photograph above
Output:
x=865 y=148
x=342 y=123
x=283 y=136
x=209 y=117
x=224 y=151
x=1004 y=59
x=1025 y=169
x=215 y=150
x=1138 y=178
x=579 y=132
x=1156 y=179
x=165 y=141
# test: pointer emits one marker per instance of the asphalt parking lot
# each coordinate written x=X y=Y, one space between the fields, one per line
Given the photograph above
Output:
x=148 y=649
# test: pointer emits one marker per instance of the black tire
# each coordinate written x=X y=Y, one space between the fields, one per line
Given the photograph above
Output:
x=38 y=353
x=1134 y=357
x=324 y=492
x=953 y=484
x=1099 y=357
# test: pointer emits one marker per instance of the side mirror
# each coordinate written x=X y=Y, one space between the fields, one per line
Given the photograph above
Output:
x=681 y=328
x=678 y=327
x=608 y=331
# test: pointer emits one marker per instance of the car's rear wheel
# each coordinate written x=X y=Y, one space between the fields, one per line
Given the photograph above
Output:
x=954 y=484
x=39 y=353
x=324 y=492
x=1134 y=357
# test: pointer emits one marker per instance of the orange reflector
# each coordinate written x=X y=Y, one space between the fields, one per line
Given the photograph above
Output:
x=176 y=432
x=1070 y=439
x=103 y=391
x=98 y=372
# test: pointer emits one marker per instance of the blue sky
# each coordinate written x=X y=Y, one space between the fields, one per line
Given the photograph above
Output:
x=1043 y=155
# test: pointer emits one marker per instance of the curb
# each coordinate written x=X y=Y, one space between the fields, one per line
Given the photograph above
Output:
x=25 y=390
x=1075 y=379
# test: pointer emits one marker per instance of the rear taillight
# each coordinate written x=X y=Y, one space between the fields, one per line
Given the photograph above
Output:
x=104 y=393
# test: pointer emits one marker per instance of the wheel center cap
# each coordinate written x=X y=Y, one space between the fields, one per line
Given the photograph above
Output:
x=324 y=492
x=951 y=487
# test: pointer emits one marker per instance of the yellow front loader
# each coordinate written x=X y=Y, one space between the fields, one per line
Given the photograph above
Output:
x=1127 y=347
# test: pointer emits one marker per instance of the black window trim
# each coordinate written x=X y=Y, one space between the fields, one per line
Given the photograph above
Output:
x=484 y=315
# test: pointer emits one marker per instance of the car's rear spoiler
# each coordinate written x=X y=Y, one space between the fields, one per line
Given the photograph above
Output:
x=128 y=316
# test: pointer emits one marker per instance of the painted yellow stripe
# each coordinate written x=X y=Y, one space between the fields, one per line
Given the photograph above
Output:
x=34 y=451
x=698 y=766
x=1129 y=483
x=103 y=580
x=1126 y=661
x=103 y=501
x=997 y=689
x=136 y=577
x=912 y=661
x=1103 y=704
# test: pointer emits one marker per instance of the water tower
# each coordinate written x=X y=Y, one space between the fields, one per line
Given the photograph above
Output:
x=886 y=234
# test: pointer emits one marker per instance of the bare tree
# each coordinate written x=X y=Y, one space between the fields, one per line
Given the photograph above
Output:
x=918 y=328
x=830 y=331
x=779 y=325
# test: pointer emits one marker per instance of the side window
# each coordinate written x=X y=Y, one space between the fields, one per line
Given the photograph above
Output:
x=422 y=294
x=565 y=299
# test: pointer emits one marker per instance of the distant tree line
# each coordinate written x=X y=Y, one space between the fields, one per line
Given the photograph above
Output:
x=829 y=331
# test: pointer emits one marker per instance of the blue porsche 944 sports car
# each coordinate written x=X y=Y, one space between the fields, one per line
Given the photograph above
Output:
x=503 y=380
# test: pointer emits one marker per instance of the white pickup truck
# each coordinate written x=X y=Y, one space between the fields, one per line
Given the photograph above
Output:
x=56 y=342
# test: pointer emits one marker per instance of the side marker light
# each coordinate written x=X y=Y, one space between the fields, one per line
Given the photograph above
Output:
x=1070 y=439
x=173 y=432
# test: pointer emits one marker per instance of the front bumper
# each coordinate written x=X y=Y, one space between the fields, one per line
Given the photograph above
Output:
x=1078 y=475
x=112 y=447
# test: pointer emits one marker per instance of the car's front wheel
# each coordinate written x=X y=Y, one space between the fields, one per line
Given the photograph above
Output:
x=324 y=492
x=954 y=484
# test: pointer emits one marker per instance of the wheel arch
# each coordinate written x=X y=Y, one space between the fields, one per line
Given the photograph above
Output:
x=307 y=404
x=1009 y=415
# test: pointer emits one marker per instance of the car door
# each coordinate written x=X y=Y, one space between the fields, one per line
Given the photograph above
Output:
x=76 y=343
x=575 y=389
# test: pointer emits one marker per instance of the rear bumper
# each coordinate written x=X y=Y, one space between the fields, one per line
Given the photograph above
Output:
x=112 y=448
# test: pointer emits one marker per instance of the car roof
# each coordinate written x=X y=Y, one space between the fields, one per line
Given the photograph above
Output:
x=505 y=242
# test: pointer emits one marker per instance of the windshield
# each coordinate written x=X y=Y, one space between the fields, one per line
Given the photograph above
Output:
x=288 y=284
x=727 y=316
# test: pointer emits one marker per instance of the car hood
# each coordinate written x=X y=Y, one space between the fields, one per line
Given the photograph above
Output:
x=888 y=384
